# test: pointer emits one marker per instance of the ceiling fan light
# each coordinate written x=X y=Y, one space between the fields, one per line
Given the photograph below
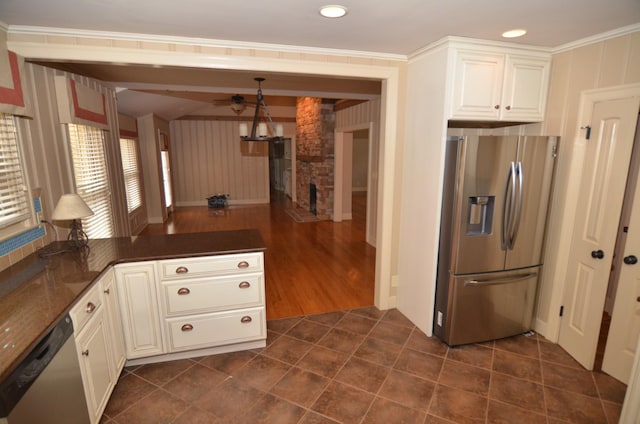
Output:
x=238 y=108
x=333 y=11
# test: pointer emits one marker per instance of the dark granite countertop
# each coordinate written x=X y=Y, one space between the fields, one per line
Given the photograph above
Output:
x=36 y=292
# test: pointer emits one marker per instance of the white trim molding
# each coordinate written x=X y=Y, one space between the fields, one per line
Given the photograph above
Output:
x=597 y=38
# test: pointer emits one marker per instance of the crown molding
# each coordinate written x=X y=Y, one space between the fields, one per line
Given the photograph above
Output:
x=618 y=32
x=205 y=42
x=455 y=41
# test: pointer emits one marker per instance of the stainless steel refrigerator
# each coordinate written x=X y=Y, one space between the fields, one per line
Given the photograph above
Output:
x=495 y=203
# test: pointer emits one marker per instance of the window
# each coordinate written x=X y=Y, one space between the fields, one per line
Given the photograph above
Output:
x=92 y=180
x=15 y=209
x=131 y=170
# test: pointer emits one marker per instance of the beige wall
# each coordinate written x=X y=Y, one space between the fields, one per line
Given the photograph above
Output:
x=149 y=127
x=608 y=63
x=209 y=158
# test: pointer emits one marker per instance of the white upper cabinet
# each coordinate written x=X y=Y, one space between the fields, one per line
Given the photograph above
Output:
x=500 y=86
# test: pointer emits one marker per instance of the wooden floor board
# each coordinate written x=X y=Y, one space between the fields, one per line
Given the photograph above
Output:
x=311 y=267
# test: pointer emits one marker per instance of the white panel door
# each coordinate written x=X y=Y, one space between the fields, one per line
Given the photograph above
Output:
x=601 y=191
x=625 y=321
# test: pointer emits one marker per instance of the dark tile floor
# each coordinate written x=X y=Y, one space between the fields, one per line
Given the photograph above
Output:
x=368 y=366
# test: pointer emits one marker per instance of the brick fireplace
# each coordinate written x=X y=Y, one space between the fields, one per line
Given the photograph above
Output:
x=315 y=124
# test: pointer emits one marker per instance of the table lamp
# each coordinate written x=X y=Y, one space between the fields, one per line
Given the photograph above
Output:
x=72 y=207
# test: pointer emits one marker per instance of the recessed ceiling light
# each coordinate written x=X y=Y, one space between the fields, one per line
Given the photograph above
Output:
x=333 y=11
x=514 y=33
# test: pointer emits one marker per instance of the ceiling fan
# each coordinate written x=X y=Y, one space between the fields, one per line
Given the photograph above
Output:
x=237 y=103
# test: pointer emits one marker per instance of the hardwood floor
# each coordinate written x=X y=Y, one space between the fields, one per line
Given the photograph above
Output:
x=311 y=267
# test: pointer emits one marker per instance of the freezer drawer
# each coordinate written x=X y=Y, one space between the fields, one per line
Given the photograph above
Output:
x=488 y=306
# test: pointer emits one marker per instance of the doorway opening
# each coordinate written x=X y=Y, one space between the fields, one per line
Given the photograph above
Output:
x=355 y=176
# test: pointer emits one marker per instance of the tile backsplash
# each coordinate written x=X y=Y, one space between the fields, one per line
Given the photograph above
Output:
x=21 y=245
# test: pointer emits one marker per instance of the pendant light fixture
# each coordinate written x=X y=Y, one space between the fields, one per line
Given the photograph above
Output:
x=260 y=130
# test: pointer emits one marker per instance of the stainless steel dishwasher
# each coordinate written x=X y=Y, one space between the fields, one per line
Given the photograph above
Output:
x=46 y=388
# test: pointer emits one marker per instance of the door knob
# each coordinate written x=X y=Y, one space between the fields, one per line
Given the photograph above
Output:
x=597 y=254
x=630 y=260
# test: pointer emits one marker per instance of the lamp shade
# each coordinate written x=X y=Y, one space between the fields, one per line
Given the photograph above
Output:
x=70 y=206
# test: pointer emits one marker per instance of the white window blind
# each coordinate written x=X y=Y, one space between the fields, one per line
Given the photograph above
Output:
x=14 y=199
x=92 y=182
x=131 y=170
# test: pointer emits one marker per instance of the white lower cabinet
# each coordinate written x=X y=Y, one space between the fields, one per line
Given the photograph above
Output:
x=197 y=306
x=192 y=306
x=93 y=337
x=137 y=294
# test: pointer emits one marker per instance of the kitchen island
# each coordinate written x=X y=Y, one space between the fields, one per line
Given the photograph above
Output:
x=38 y=291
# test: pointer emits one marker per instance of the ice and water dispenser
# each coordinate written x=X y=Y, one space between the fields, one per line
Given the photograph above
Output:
x=480 y=215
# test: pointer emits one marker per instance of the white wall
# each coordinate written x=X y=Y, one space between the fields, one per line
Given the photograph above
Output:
x=425 y=133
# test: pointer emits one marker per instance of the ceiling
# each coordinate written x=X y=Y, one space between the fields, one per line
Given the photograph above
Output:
x=395 y=28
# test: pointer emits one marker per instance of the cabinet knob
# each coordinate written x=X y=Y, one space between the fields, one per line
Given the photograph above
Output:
x=106 y=291
x=183 y=291
x=243 y=264
x=508 y=107
x=85 y=352
x=496 y=107
x=245 y=319
x=90 y=307
x=187 y=327
x=182 y=270
x=244 y=285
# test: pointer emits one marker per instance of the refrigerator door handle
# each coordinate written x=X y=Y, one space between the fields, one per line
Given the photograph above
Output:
x=508 y=207
x=506 y=280
x=518 y=203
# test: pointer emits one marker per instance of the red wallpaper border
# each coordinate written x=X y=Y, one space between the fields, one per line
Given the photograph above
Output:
x=13 y=96
x=86 y=114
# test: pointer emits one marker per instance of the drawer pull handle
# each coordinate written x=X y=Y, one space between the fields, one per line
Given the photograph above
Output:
x=245 y=319
x=182 y=270
x=85 y=352
x=90 y=307
x=106 y=291
x=187 y=327
x=244 y=285
x=183 y=291
x=243 y=264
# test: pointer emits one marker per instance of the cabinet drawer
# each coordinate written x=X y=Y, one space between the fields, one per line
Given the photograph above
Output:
x=172 y=269
x=221 y=328
x=213 y=294
x=86 y=308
